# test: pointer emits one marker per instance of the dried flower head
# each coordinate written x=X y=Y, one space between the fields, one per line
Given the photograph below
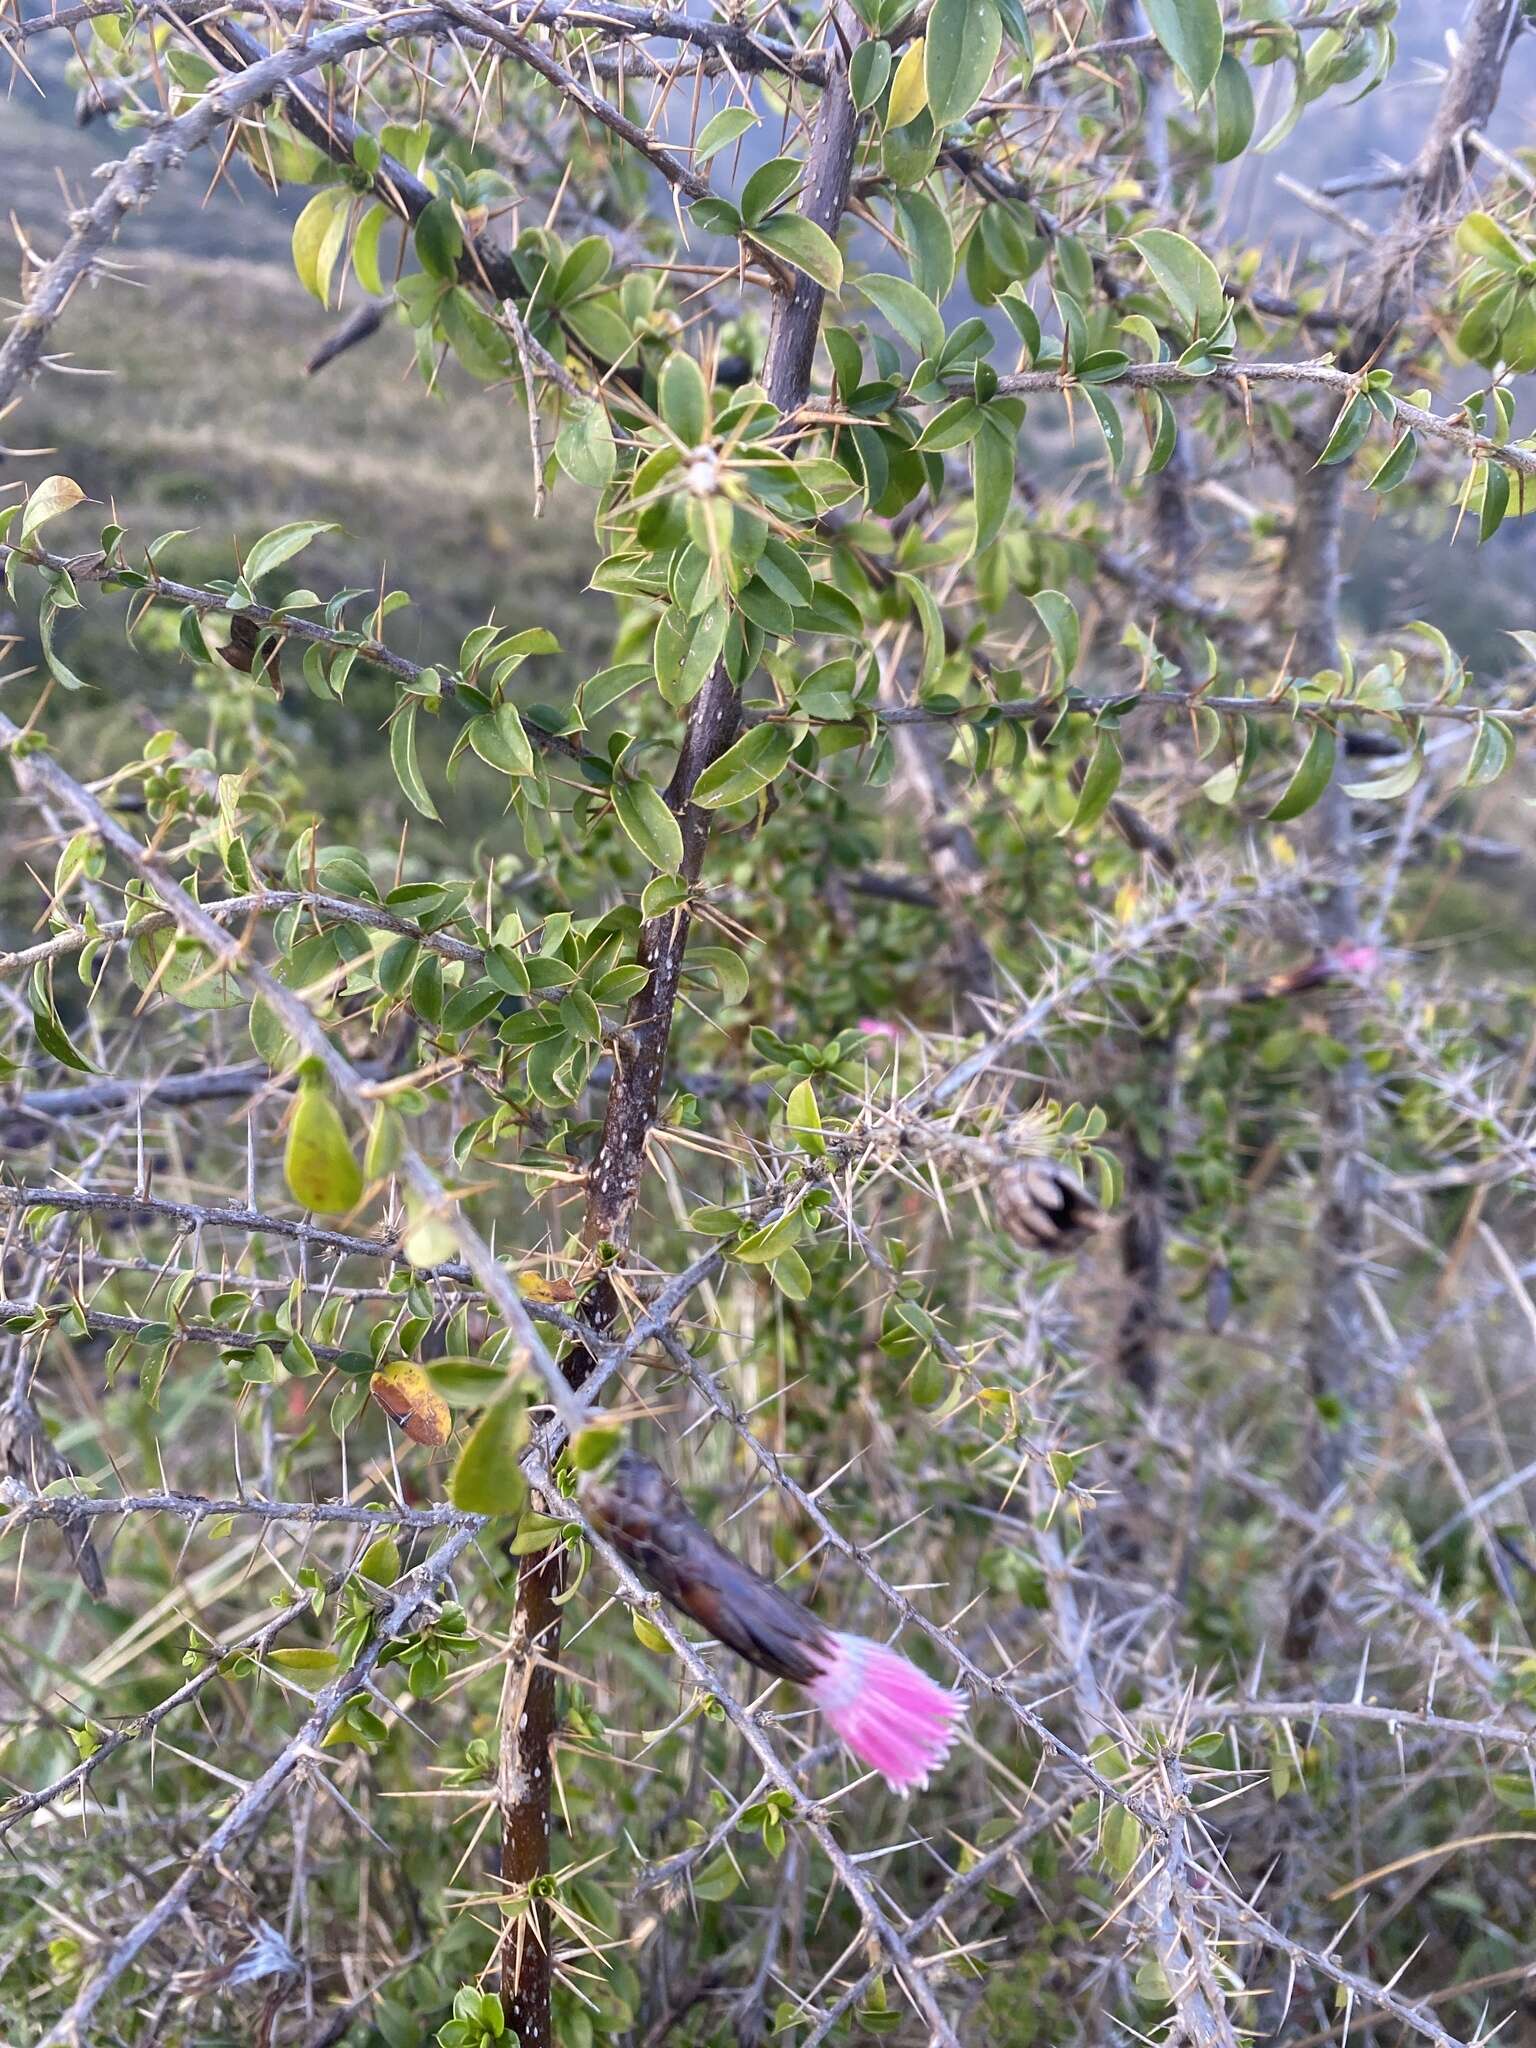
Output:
x=1044 y=1209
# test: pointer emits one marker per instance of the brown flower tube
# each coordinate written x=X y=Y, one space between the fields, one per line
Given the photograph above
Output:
x=891 y=1715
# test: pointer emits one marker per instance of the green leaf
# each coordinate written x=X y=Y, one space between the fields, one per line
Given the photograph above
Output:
x=439 y=239
x=480 y=345
x=727 y=969
x=791 y=1275
x=593 y=1446
x=1234 y=109
x=1189 y=279
x=1221 y=787
x=501 y=741
x=1480 y=235
x=719 y=1878
x=583 y=270
x=868 y=71
x=930 y=243
x=806 y=246
x=47 y=620
x=1100 y=782
x=715 y=215
x=992 y=466
x=1492 y=752
x=718 y=133
x=649 y=1634
x=915 y=318
x=1190 y=31
x=1166 y=438
x=683 y=399
x=402 y=756
x=52 y=1036
x=1395 y=782
x=584 y=447
x=1349 y=430
x=1495 y=500
x=769 y=186
x=745 y=768
x=687 y=649
x=760 y=1247
x=1310 y=779
x=281 y=545
x=1058 y=615
x=365 y=249
x=466 y=1382
x=1397 y=465
x=961 y=46
x=644 y=814
x=486 y=1479
x=316 y=1662
x=1120 y=1841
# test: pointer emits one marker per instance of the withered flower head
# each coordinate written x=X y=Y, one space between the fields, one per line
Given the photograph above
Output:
x=1045 y=1209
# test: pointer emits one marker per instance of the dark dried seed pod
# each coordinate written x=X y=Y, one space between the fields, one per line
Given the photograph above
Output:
x=1044 y=1209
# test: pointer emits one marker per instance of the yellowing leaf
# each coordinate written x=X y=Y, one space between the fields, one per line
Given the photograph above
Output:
x=318 y=1164
x=536 y=1286
x=312 y=260
x=408 y=1397
x=55 y=494
x=909 y=88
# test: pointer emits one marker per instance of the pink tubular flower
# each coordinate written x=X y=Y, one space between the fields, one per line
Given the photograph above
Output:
x=877 y=1027
x=891 y=1715
x=1354 y=958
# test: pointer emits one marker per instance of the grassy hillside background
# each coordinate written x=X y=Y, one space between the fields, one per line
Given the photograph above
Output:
x=206 y=421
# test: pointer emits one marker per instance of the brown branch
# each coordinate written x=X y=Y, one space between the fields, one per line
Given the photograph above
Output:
x=633 y=1099
x=881 y=1928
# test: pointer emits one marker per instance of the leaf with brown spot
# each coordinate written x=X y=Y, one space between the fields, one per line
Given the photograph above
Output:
x=408 y=1397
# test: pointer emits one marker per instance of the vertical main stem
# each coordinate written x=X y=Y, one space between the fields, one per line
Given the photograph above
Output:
x=1335 y=1335
x=613 y=1185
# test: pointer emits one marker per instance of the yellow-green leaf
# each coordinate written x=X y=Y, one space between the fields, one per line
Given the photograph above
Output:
x=803 y=1115
x=380 y=1562
x=320 y=1662
x=486 y=1479
x=318 y=1164
x=649 y=1634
